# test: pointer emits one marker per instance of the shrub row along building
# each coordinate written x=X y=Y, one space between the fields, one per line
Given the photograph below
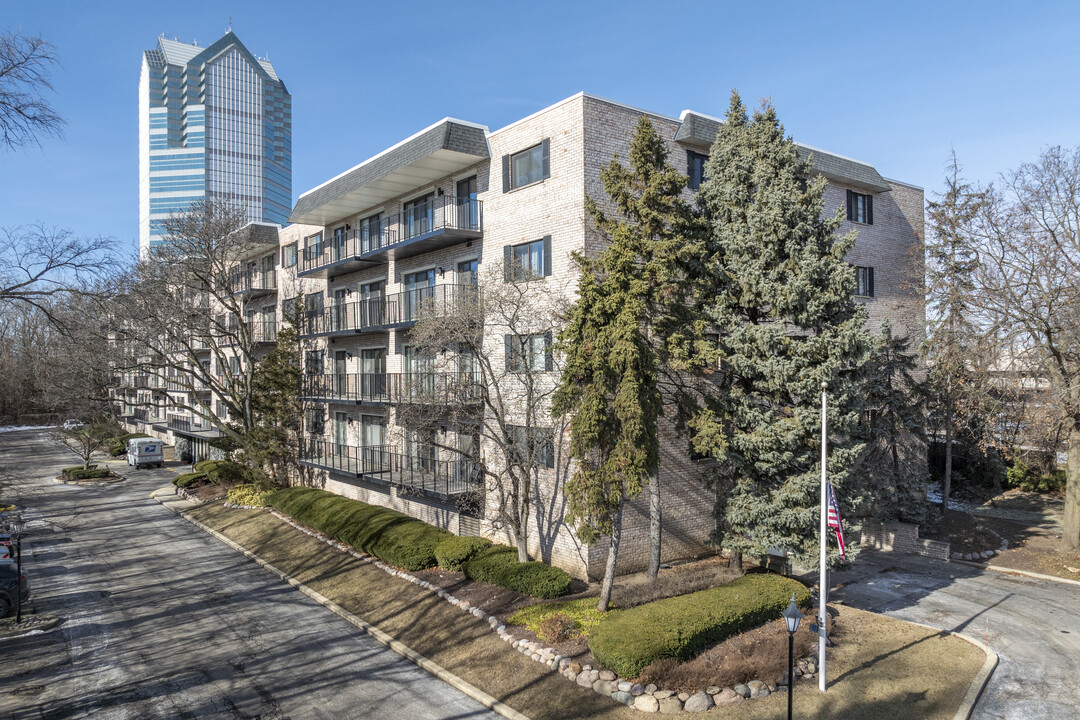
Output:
x=436 y=228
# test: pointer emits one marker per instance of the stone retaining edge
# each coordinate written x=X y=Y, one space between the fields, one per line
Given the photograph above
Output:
x=397 y=646
x=1014 y=571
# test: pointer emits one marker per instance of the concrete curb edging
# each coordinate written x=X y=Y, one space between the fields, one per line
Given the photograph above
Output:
x=981 y=679
x=1013 y=571
x=59 y=479
x=400 y=648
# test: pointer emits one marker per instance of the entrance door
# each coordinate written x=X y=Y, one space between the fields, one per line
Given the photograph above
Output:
x=341 y=434
x=372 y=308
x=468 y=281
x=373 y=374
x=468 y=207
x=417 y=216
x=338 y=248
x=341 y=320
x=341 y=379
x=419 y=286
x=373 y=443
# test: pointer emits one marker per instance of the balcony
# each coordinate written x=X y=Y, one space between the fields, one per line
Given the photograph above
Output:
x=182 y=425
x=441 y=222
x=420 y=471
x=429 y=389
x=251 y=285
x=385 y=312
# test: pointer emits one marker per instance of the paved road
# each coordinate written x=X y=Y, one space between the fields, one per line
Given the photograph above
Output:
x=162 y=621
x=1033 y=625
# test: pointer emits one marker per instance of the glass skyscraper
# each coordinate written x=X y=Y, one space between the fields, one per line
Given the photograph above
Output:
x=214 y=122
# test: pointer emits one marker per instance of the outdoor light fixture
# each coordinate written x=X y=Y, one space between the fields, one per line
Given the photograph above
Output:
x=17 y=527
x=792 y=616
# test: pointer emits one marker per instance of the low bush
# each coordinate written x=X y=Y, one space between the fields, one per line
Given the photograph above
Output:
x=557 y=628
x=582 y=613
x=454 y=550
x=681 y=627
x=499 y=565
x=68 y=471
x=393 y=537
x=247 y=494
x=188 y=479
x=78 y=473
x=222 y=471
x=1020 y=475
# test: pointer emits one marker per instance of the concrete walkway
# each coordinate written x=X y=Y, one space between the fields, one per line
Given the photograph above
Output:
x=1033 y=625
x=162 y=621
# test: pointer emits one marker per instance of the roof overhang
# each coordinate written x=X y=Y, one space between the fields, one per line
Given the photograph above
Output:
x=697 y=132
x=442 y=149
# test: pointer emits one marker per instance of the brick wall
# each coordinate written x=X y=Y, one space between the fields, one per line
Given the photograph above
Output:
x=902 y=538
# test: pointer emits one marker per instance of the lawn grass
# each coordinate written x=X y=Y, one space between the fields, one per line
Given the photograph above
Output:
x=882 y=668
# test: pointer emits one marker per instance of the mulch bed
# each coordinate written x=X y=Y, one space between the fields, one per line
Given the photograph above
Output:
x=974 y=533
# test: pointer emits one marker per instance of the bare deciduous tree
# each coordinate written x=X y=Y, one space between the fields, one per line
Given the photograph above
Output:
x=1028 y=284
x=25 y=63
x=498 y=391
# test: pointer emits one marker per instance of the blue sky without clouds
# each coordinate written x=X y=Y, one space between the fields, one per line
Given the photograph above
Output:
x=895 y=84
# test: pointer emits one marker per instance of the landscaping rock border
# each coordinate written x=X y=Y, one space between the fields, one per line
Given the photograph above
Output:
x=114 y=478
x=984 y=554
x=646 y=698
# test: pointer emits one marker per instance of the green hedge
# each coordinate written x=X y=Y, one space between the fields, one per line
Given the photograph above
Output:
x=188 y=479
x=453 y=551
x=77 y=473
x=222 y=471
x=68 y=471
x=393 y=537
x=499 y=565
x=681 y=627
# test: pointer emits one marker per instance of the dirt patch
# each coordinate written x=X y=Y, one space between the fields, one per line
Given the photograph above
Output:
x=974 y=533
x=1040 y=551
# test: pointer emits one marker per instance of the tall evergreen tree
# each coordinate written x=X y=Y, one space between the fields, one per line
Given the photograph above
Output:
x=951 y=334
x=610 y=386
x=773 y=282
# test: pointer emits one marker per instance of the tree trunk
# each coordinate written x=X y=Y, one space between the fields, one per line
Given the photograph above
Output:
x=735 y=560
x=946 y=483
x=1070 y=524
x=609 y=567
x=521 y=532
x=655 y=525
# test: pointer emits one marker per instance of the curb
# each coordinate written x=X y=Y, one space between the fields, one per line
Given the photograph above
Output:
x=981 y=679
x=1023 y=573
x=400 y=648
x=100 y=481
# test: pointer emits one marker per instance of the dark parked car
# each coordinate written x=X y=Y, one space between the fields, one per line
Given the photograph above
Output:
x=9 y=581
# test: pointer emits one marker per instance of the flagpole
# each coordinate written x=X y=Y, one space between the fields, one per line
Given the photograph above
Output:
x=823 y=581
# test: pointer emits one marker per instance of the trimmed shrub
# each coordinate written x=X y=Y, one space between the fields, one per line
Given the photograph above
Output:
x=246 y=494
x=1019 y=475
x=499 y=565
x=77 y=473
x=188 y=479
x=78 y=468
x=393 y=537
x=681 y=627
x=453 y=551
x=222 y=471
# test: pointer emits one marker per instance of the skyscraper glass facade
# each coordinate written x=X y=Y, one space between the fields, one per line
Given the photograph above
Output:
x=214 y=122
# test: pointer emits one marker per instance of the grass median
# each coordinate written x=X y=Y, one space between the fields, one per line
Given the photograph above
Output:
x=880 y=668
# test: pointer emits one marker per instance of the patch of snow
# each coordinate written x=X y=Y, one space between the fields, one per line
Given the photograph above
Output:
x=17 y=428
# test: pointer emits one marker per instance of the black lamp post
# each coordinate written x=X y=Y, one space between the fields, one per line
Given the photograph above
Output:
x=17 y=528
x=792 y=616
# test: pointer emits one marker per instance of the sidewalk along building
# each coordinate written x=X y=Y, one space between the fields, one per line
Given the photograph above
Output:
x=425 y=226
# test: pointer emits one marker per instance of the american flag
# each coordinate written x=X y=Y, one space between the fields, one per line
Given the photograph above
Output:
x=834 y=522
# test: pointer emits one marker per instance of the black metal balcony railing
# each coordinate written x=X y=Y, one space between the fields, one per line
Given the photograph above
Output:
x=420 y=388
x=254 y=283
x=456 y=218
x=385 y=311
x=420 y=469
x=184 y=424
x=141 y=414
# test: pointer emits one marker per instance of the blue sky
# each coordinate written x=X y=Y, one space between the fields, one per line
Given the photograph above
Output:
x=895 y=84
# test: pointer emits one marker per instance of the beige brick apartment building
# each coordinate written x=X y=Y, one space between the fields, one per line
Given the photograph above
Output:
x=416 y=227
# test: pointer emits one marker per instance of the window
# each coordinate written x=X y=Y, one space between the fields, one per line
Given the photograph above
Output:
x=234 y=365
x=371 y=233
x=288 y=308
x=528 y=260
x=526 y=167
x=864 y=281
x=315 y=420
x=528 y=352
x=695 y=169
x=535 y=447
x=313 y=362
x=313 y=304
x=860 y=208
x=288 y=255
x=313 y=247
